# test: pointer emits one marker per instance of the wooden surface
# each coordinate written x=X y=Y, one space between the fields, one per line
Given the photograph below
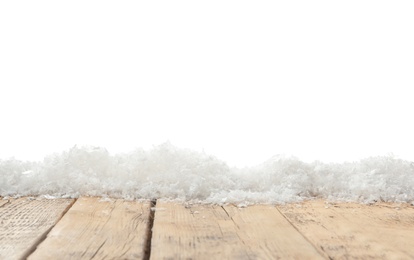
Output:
x=24 y=223
x=114 y=229
x=355 y=231
x=215 y=232
x=118 y=229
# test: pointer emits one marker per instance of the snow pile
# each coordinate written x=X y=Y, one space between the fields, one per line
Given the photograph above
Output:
x=185 y=175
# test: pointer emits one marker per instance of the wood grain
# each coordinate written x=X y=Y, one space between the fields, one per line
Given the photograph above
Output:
x=355 y=231
x=93 y=228
x=24 y=223
x=214 y=232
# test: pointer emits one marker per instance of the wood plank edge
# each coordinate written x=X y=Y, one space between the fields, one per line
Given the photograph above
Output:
x=42 y=237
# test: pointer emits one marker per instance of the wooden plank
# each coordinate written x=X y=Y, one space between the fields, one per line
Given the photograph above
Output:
x=24 y=222
x=350 y=230
x=93 y=228
x=214 y=232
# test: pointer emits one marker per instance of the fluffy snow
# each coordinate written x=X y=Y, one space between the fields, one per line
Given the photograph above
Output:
x=183 y=175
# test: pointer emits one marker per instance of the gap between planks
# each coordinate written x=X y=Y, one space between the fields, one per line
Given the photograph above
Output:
x=148 y=235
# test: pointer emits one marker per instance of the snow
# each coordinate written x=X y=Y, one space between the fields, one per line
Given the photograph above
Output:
x=184 y=175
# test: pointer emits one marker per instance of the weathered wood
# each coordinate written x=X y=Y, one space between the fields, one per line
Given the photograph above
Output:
x=214 y=232
x=24 y=222
x=94 y=228
x=355 y=231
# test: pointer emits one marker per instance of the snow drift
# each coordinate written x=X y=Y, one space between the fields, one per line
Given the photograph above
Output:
x=184 y=175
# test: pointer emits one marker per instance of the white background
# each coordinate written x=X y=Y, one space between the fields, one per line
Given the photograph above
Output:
x=243 y=80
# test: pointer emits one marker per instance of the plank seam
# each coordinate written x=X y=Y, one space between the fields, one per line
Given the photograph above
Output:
x=322 y=253
x=228 y=215
x=148 y=236
x=44 y=235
